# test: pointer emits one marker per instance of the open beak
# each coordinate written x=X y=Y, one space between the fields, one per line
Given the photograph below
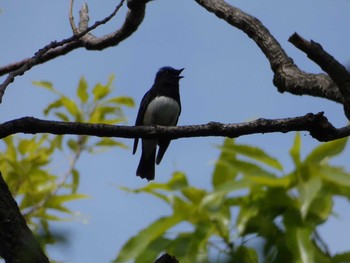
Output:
x=179 y=72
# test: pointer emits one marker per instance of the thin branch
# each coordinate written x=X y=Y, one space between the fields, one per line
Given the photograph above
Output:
x=133 y=19
x=317 y=124
x=36 y=59
x=329 y=64
x=287 y=76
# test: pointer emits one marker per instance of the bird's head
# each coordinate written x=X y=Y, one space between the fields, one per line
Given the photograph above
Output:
x=168 y=75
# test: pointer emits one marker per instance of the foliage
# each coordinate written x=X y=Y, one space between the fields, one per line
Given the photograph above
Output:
x=278 y=212
x=26 y=164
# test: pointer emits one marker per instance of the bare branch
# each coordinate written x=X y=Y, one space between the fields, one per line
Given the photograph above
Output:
x=317 y=124
x=71 y=18
x=329 y=64
x=133 y=19
x=38 y=57
x=287 y=76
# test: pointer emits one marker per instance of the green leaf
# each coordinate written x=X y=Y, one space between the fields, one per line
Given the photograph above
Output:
x=178 y=181
x=193 y=194
x=62 y=116
x=305 y=247
x=54 y=105
x=72 y=108
x=44 y=84
x=308 y=191
x=198 y=242
x=246 y=255
x=254 y=153
x=269 y=181
x=342 y=258
x=139 y=243
x=244 y=217
x=326 y=151
x=110 y=142
x=24 y=145
x=73 y=144
x=333 y=174
x=122 y=100
x=150 y=254
x=57 y=201
x=75 y=180
x=295 y=150
x=222 y=172
x=100 y=91
x=320 y=208
x=82 y=93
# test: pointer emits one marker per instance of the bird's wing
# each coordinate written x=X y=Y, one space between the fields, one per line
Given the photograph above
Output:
x=139 y=119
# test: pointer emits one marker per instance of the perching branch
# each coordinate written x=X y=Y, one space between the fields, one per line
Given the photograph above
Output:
x=17 y=243
x=317 y=124
x=287 y=76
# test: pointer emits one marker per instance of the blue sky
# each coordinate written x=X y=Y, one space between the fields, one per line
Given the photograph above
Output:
x=227 y=79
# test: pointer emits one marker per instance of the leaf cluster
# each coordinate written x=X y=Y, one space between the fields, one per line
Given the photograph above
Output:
x=41 y=191
x=255 y=211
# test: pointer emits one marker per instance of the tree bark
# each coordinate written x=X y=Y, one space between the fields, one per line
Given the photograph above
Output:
x=17 y=243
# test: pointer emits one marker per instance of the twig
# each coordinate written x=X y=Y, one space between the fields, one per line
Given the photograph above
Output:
x=71 y=17
x=317 y=124
x=133 y=19
x=36 y=59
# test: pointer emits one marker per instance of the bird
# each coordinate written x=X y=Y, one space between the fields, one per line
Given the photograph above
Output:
x=160 y=105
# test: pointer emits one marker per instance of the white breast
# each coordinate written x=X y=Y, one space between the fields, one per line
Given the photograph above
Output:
x=162 y=111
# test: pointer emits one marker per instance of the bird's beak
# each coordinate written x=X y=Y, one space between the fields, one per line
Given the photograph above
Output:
x=179 y=72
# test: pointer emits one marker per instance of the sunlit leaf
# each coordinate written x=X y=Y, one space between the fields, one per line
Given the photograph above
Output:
x=284 y=181
x=334 y=174
x=110 y=142
x=309 y=190
x=222 y=172
x=62 y=116
x=126 y=101
x=178 y=181
x=75 y=181
x=100 y=91
x=303 y=237
x=54 y=105
x=44 y=84
x=326 y=151
x=193 y=194
x=72 y=108
x=255 y=154
x=82 y=93
x=136 y=245
x=295 y=150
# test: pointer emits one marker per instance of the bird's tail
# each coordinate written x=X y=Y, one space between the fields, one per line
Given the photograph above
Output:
x=146 y=166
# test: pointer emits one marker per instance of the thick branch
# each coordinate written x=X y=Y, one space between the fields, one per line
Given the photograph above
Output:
x=316 y=124
x=287 y=76
x=17 y=243
x=329 y=64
